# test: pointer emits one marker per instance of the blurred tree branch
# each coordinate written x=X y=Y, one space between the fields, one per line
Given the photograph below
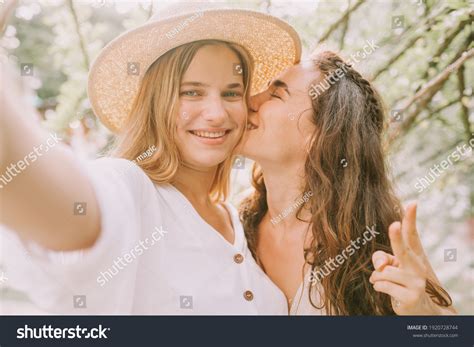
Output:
x=465 y=46
x=397 y=55
x=426 y=26
x=464 y=111
x=150 y=11
x=428 y=20
x=79 y=34
x=446 y=42
x=345 y=26
x=432 y=157
x=423 y=96
x=435 y=112
x=341 y=20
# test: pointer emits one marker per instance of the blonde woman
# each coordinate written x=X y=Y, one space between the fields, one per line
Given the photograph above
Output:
x=155 y=236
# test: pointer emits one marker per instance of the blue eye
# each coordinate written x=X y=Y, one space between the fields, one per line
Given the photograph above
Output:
x=190 y=93
x=232 y=94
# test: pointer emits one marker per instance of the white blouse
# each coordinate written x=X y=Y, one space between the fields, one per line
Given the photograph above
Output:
x=155 y=255
x=301 y=305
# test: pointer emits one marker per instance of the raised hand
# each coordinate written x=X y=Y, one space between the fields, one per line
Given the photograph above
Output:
x=403 y=275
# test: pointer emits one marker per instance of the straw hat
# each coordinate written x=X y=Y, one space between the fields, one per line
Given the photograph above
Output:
x=115 y=75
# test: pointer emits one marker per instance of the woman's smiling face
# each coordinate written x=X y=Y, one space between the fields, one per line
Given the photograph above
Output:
x=212 y=107
x=279 y=124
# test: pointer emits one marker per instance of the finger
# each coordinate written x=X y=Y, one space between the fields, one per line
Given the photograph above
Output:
x=396 y=241
x=392 y=274
x=396 y=291
x=380 y=259
x=409 y=231
x=402 y=252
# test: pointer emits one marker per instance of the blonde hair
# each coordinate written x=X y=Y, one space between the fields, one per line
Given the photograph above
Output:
x=152 y=119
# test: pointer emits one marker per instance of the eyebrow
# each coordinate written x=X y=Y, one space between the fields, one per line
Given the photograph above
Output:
x=200 y=84
x=280 y=84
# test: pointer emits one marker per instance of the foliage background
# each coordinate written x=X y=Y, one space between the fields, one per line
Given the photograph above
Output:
x=418 y=41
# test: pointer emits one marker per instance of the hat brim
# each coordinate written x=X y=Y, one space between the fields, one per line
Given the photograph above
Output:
x=116 y=74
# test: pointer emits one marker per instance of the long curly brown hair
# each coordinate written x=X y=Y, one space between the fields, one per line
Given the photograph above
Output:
x=347 y=174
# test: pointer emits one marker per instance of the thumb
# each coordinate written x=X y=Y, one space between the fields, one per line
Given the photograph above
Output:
x=380 y=259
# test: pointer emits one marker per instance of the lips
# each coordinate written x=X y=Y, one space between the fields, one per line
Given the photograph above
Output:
x=210 y=134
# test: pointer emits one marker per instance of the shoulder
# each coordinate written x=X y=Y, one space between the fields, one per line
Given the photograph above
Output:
x=118 y=177
x=117 y=168
x=117 y=165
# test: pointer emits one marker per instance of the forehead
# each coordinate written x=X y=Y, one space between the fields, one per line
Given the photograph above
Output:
x=213 y=62
x=299 y=77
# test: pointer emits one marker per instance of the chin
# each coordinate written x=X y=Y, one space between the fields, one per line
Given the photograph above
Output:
x=208 y=161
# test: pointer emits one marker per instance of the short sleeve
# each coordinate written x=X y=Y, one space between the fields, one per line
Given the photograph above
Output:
x=69 y=282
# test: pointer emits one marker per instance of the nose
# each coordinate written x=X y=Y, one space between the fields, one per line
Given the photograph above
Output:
x=256 y=101
x=215 y=111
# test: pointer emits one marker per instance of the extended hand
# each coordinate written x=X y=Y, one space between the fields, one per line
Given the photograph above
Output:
x=403 y=275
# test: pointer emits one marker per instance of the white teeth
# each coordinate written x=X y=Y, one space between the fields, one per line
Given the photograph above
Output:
x=250 y=126
x=208 y=134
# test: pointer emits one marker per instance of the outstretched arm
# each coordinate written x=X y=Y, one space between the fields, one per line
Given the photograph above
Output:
x=40 y=180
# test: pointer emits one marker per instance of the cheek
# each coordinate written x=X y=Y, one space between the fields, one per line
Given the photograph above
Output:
x=238 y=114
x=278 y=121
x=185 y=116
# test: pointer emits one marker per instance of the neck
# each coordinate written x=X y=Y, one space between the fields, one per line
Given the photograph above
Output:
x=285 y=195
x=195 y=183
